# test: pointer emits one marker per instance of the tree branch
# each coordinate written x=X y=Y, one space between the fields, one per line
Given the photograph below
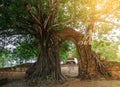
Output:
x=26 y=26
x=28 y=8
x=79 y=20
x=60 y=23
x=52 y=13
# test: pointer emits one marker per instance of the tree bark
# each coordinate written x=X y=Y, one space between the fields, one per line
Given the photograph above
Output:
x=89 y=63
x=47 y=66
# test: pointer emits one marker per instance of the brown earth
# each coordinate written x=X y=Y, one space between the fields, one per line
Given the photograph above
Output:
x=13 y=77
x=72 y=82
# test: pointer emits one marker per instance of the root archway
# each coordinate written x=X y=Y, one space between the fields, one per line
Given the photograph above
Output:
x=89 y=65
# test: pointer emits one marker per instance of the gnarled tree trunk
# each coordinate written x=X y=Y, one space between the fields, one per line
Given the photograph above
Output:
x=47 y=66
x=89 y=63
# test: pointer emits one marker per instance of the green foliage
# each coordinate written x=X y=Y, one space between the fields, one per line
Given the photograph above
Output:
x=27 y=49
x=74 y=54
x=102 y=28
x=106 y=48
x=65 y=48
x=4 y=57
x=13 y=30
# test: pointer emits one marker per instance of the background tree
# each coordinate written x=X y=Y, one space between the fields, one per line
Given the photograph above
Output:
x=64 y=51
x=27 y=50
x=106 y=38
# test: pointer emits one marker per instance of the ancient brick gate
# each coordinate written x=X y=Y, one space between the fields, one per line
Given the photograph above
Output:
x=89 y=64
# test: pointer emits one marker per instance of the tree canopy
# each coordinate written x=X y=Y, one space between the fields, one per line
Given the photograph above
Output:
x=17 y=23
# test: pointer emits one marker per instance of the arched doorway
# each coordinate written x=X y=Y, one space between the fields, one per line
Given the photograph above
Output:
x=67 y=51
x=89 y=65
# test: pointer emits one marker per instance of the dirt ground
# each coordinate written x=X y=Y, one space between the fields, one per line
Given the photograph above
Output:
x=71 y=81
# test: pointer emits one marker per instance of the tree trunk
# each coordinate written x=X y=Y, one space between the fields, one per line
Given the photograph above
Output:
x=47 y=66
x=89 y=63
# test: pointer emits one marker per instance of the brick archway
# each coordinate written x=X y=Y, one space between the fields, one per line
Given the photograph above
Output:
x=89 y=65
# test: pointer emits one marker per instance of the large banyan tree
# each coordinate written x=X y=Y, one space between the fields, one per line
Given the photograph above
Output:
x=48 y=22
